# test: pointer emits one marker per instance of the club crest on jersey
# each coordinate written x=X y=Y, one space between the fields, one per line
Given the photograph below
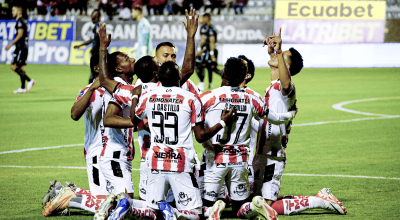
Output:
x=142 y=190
x=183 y=199
x=240 y=189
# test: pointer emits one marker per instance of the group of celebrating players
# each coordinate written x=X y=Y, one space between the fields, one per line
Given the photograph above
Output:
x=166 y=108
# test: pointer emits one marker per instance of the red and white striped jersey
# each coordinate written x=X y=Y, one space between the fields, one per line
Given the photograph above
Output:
x=118 y=139
x=231 y=142
x=254 y=129
x=93 y=119
x=171 y=114
x=276 y=135
x=143 y=135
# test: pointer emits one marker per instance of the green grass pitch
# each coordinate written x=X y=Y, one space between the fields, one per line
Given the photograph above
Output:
x=347 y=147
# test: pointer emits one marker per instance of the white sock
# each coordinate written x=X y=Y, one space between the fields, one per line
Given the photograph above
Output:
x=292 y=206
x=137 y=203
x=186 y=214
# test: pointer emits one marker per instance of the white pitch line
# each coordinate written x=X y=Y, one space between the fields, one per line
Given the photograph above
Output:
x=348 y=176
x=42 y=148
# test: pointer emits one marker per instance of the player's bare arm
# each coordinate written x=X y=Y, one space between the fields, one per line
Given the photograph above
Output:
x=191 y=24
x=84 y=43
x=278 y=118
x=284 y=74
x=80 y=106
x=111 y=118
x=20 y=33
x=212 y=48
x=203 y=134
x=105 y=78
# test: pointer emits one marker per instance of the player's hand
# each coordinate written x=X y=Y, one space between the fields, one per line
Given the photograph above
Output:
x=293 y=113
x=105 y=39
x=8 y=47
x=95 y=84
x=228 y=117
x=213 y=58
x=276 y=41
x=192 y=22
x=76 y=46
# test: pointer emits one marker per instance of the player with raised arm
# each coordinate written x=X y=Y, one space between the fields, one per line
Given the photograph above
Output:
x=21 y=50
x=172 y=115
x=270 y=158
x=230 y=144
x=89 y=105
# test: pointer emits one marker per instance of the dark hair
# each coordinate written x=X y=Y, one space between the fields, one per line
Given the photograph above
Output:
x=169 y=44
x=235 y=71
x=297 y=62
x=144 y=68
x=168 y=73
x=208 y=15
x=250 y=67
x=94 y=60
x=98 y=11
x=138 y=7
x=112 y=63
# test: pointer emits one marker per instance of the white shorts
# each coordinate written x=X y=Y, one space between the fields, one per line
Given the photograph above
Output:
x=143 y=180
x=183 y=185
x=236 y=179
x=272 y=179
x=97 y=182
x=118 y=175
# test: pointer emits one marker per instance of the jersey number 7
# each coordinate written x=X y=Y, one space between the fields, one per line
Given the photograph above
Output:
x=228 y=131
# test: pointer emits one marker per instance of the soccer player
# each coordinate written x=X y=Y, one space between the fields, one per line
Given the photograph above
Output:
x=229 y=145
x=207 y=54
x=172 y=115
x=95 y=16
x=21 y=50
x=270 y=159
x=143 y=46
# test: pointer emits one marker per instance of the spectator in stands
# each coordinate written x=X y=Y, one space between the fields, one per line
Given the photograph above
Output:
x=103 y=5
x=83 y=7
x=62 y=7
x=197 y=4
x=216 y=4
x=124 y=12
x=175 y=6
x=239 y=4
x=73 y=6
x=41 y=7
x=31 y=5
x=157 y=6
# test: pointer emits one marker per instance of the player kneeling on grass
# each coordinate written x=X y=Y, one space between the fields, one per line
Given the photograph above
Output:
x=172 y=115
x=231 y=143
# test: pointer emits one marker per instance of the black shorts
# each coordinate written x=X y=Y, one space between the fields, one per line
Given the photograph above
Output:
x=20 y=55
x=206 y=57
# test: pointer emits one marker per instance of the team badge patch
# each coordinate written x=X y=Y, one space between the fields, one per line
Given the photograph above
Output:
x=183 y=199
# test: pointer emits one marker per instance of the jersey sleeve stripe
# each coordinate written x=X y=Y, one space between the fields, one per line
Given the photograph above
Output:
x=142 y=107
x=209 y=103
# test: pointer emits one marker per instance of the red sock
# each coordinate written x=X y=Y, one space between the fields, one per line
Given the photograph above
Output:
x=278 y=207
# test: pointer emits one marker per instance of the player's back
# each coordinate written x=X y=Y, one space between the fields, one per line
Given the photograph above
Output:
x=171 y=113
x=235 y=137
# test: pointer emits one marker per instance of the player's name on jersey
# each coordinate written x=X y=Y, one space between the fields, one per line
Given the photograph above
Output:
x=166 y=100
x=166 y=107
x=234 y=100
x=240 y=108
